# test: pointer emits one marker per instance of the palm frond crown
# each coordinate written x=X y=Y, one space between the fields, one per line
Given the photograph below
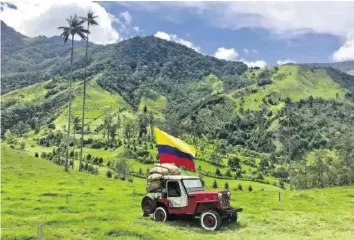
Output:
x=90 y=18
x=74 y=27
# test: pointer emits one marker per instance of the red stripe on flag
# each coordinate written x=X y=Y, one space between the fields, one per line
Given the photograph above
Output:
x=186 y=162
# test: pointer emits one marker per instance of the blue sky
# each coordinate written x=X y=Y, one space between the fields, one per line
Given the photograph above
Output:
x=257 y=33
x=251 y=44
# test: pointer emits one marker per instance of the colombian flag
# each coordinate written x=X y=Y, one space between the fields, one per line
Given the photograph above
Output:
x=174 y=150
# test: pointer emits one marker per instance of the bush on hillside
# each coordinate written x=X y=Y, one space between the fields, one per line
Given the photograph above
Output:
x=109 y=174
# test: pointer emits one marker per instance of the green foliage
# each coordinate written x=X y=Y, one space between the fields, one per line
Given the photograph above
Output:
x=109 y=174
x=215 y=185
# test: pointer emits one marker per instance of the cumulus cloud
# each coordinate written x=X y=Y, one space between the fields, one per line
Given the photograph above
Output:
x=232 y=55
x=258 y=63
x=175 y=38
x=126 y=16
x=284 y=19
x=282 y=62
x=136 y=29
x=345 y=52
x=33 y=18
x=226 y=53
x=245 y=50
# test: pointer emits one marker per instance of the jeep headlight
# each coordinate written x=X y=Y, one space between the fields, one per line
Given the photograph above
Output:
x=228 y=194
x=220 y=196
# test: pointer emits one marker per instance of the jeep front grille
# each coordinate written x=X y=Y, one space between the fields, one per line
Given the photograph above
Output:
x=224 y=202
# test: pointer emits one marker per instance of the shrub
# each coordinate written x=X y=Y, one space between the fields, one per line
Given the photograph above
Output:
x=36 y=155
x=100 y=160
x=239 y=187
x=250 y=188
x=215 y=184
x=43 y=155
x=89 y=156
x=82 y=167
x=217 y=172
x=109 y=174
x=226 y=186
x=140 y=171
x=260 y=176
x=108 y=163
x=228 y=173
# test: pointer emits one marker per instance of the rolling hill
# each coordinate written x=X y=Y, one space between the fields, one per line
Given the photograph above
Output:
x=230 y=112
x=347 y=66
x=73 y=205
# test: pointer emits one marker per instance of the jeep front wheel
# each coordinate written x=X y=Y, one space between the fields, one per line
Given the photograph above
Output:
x=160 y=214
x=210 y=220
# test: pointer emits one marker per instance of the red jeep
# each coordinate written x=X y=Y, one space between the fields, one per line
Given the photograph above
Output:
x=185 y=195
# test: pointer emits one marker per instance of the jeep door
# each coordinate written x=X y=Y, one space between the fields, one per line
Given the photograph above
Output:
x=176 y=195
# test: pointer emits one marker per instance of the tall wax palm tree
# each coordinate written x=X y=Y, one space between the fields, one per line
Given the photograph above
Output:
x=74 y=28
x=90 y=20
x=76 y=122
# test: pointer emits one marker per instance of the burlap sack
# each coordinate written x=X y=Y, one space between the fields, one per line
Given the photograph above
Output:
x=154 y=177
x=153 y=185
x=159 y=170
x=172 y=169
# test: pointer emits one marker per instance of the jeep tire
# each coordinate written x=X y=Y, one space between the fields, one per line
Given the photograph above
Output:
x=148 y=204
x=160 y=215
x=210 y=220
x=233 y=218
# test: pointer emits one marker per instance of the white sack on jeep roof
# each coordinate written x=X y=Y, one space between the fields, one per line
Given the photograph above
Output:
x=159 y=170
x=154 y=177
x=172 y=169
x=153 y=185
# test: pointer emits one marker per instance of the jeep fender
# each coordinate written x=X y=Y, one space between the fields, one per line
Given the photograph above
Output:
x=204 y=206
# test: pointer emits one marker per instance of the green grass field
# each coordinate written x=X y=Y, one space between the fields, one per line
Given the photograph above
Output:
x=99 y=208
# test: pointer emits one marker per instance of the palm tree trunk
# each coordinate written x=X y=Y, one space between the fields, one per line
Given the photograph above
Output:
x=69 y=110
x=84 y=102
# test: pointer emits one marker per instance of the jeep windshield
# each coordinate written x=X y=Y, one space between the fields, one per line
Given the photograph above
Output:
x=193 y=185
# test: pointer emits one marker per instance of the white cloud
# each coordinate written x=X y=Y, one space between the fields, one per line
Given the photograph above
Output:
x=175 y=38
x=126 y=16
x=255 y=50
x=258 y=63
x=136 y=29
x=232 y=55
x=42 y=18
x=284 y=19
x=280 y=17
x=245 y=50
x=226 y=53
x=345 y=52
x=163 y=35
x=282 y=62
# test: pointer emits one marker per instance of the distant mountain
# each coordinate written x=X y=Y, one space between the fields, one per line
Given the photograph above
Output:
x=347 y=66
x=28 y=60
x=230 y=111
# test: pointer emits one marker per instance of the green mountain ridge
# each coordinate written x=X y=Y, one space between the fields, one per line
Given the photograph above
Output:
x=227 y=110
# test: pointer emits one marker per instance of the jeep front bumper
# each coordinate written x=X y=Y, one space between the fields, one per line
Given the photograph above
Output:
x=230 y=212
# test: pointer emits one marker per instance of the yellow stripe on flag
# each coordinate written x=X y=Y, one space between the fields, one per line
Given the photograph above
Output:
x=163 y=138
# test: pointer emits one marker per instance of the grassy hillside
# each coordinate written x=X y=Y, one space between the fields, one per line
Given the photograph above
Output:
x=289 y=81
x=100 y=208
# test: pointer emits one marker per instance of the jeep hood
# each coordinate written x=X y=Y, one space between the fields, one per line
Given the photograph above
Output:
x=206 y=196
